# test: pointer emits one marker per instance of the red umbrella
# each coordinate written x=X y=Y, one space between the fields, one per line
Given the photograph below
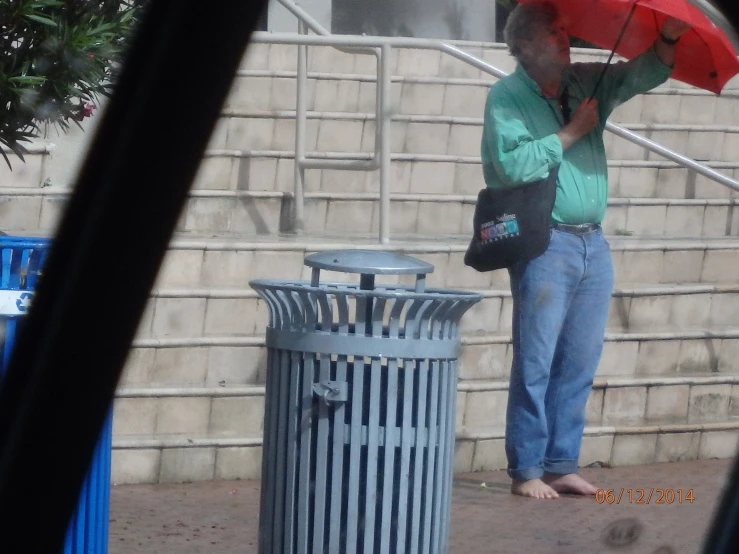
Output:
x=705 y=57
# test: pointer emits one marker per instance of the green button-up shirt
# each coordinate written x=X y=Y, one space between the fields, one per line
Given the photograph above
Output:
x=520 y=145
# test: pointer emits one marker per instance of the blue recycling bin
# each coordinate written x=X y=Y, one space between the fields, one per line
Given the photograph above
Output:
x=21 y=260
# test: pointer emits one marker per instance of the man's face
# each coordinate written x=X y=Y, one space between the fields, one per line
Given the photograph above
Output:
x=549 y=45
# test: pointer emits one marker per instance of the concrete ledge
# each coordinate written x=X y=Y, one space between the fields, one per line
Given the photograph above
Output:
x=186 y=460
x=667 y=89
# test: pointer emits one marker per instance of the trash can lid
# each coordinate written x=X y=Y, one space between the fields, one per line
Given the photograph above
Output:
x=371 y=262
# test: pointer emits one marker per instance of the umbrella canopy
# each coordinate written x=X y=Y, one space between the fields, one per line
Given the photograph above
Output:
x=705 y=57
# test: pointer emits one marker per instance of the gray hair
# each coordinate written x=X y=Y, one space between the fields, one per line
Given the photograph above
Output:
x=523 y=19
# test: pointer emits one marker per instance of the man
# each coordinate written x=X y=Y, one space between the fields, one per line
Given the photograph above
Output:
x=561 y=298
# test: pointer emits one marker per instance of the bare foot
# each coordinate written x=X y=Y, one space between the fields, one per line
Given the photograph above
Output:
x=570 y=484
x=533 y=488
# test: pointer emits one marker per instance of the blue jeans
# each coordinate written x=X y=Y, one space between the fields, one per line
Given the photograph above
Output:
x=560 y=310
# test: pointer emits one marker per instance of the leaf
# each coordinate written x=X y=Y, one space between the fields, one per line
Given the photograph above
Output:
x=28 y=80
x=44 y=4
x=19 y=150
x=7 y=161
x=42 y=19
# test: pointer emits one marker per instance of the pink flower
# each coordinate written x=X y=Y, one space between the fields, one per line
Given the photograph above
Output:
x=85 y=110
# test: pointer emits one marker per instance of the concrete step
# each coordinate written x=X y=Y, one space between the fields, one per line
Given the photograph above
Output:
x=195 y=430
x=414 y=62
x=614 y=446
x=233 y=412
x=354 y=131
x=272 y=89
x=226 y=261
x=239 y=312
x=267 y=212
x=30 y=174
x=404 y=61
x=179 y=459
x=242 y=360
x=272 y=170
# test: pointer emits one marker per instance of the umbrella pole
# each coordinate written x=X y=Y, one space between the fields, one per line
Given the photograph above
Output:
x=618 y=41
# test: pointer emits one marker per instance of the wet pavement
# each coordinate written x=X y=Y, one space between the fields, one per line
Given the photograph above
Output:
x=663 y=509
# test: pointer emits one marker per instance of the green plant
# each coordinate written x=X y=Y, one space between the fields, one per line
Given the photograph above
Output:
x=623 y=233
x=57 y=58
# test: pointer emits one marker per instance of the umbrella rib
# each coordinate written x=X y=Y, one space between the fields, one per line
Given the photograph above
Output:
x=613 y=51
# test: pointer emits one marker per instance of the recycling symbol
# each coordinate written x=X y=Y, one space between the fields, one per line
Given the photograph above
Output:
x=24 y=302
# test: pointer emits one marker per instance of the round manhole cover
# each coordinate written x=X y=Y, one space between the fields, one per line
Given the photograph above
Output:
x=623 y=532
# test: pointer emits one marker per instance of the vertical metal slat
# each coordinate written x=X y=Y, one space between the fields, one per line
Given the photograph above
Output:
x=337 y=479
x=373 y=436
x=269 y=470
x=442 y=449
x=408 y=438
x=355 y=436
x=445 y=442
x=431 y=454
x=322 y=444
x=420 y=440
x=420 y=368
x=266 y=515
x=281 y=437
x=305 y=533
x=448 y=474
x=388 y=488
x=291 y=469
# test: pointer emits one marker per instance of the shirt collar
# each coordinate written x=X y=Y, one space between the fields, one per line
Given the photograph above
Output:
x=524 y=77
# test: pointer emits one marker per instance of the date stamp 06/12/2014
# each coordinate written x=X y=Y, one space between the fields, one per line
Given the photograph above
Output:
x=644 y=496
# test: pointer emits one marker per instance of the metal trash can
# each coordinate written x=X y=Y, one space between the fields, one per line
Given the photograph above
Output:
x=21 y=260
x=360 y=409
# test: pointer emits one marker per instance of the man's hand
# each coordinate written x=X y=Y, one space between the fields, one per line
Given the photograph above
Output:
x=584 y=120
x=673 y=28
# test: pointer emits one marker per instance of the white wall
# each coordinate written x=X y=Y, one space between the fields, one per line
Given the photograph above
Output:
x=282 y=21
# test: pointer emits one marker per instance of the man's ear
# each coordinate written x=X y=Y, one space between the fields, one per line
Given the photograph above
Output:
x=523 y=50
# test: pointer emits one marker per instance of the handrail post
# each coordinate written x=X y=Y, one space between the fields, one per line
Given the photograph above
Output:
x=384 y=121
x=300 y=133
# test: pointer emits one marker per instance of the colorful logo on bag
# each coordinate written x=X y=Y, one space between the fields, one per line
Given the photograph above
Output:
x=503 y=227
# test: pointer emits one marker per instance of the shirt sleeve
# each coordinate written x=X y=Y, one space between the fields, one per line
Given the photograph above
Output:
x=512 y=151
x=624 y=80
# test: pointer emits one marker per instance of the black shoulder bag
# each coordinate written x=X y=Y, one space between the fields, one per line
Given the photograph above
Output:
x=511 y=224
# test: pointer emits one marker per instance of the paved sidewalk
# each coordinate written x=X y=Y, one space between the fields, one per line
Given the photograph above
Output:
x=222 y=517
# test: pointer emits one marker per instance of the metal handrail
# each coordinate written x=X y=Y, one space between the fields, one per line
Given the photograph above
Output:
x=305 y=17
x=384 y=117
x=302 y=162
